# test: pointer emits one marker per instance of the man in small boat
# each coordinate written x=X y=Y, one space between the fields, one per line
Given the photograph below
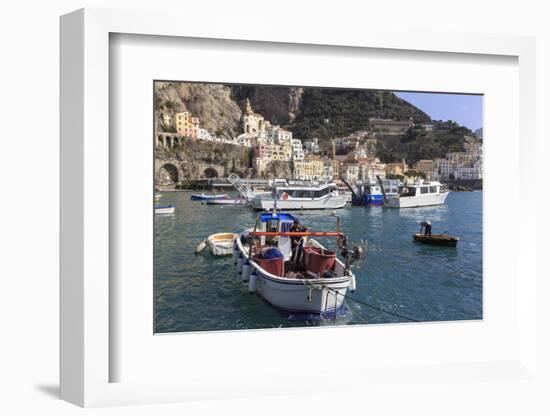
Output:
x=427 y=225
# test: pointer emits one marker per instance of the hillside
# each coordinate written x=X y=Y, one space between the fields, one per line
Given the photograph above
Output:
x=419 y=144
x=326 y=113
x=212 y=103
x=307 y=112
x=313 y=112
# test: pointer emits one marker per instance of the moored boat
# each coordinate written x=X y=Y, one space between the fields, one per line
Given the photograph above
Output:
x=307 y=278
x=220 y=244
x=157 y=197
x=207 y=197
x=227 y=201
x=301 y=197
x=419 y=194
x=165 y=209
x=437 y=239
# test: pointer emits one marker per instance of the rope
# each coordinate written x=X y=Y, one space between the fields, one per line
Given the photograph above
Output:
x=373 y=307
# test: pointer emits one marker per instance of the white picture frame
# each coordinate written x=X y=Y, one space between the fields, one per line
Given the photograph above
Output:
x=85 y=213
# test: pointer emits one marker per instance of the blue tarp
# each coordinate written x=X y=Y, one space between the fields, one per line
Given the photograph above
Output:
x=268 y=216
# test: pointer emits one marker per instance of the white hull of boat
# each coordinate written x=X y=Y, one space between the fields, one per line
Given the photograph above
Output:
x=227 y=202
x=165 y=210
x=327 y=202
x=300 y=295
x=417 y=200
x=315 y=297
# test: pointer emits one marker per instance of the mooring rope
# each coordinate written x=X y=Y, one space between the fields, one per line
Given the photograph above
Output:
x=372 y=306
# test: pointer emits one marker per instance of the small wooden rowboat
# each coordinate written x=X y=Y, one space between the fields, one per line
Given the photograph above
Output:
x=165 y=209
x=437 y=239
x=221 y=244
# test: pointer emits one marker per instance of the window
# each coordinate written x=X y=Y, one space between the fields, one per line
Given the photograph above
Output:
x=424 y=190
x=433 y=189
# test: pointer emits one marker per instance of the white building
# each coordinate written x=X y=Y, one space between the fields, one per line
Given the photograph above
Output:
x=203 y=134
x=351 y=172
x=297 y=151
x=312 y=146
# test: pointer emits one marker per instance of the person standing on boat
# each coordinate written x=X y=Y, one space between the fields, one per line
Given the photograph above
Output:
x=427 y=225
x=295 y=240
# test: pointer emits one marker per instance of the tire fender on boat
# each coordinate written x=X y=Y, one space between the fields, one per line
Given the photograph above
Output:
x=247 y=268
x=353 y=283
x=235 y=252
x=240 y=263
x=200 y=247
x=252 y=282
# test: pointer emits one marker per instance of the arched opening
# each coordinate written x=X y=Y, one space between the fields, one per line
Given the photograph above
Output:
x=168 y=174
x=210 y=173
x=161 y=141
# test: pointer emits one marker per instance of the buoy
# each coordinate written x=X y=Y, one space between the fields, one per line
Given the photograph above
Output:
x=247 y=268
x=352 y=285
x=240 y=263
x=252 y=282
x=200 y=247
x=235 y=252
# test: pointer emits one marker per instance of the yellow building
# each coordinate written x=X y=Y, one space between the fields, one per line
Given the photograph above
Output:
x=427 y=166
x=309 y=169
x=396 y=168
x=186 y=125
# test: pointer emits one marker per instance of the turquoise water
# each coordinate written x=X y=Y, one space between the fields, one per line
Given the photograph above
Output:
x=427 y=283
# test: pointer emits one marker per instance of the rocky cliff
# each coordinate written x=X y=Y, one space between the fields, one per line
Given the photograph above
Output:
x=212 y=103
x=307 y=112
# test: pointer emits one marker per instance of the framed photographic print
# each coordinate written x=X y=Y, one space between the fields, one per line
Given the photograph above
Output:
x=320 y=164
x=237 y=208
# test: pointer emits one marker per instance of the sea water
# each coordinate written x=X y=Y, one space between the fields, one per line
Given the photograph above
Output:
x=398 y=276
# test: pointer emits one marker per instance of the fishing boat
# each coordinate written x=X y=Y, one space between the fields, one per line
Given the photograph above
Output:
x=227 y=201
x=165 y=209
x=220 y=244
x=373 y=193
x=301 y=197
x=419 y=194
x=206 y=197
x=436 y=239
x=309 y=279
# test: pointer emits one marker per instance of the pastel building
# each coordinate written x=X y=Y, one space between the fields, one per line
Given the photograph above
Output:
x=429 y=167
x=398 y=168
x=186 y=125
x=252 y=123
x=310 y=169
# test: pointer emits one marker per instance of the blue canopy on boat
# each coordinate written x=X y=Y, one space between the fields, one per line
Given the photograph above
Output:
x=281 y=216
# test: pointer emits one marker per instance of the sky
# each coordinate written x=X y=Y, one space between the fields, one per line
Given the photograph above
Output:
x=466 y=110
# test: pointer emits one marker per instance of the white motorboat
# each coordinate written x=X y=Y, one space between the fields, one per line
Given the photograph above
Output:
x=227 y=201
x=157 y=197
x=220 y=244
x=301 y=197
x=207 y=197
x=310 y=280
x=419 y=194
x=165 y=209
